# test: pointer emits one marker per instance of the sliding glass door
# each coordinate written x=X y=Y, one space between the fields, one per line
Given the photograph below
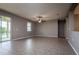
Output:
x=4 y=28
x=0 y=29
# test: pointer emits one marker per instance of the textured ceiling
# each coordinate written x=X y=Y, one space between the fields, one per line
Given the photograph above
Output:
x=49 y=11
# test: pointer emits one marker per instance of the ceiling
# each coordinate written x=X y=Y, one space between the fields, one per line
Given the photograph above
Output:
x=49 y=11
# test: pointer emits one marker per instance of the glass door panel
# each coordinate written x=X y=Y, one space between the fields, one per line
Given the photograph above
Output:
x=0 y=29
x=5 y=28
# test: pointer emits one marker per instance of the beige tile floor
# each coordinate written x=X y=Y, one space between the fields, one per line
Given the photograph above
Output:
x=36 y=46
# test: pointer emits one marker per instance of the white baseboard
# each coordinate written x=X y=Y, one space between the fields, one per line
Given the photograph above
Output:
x=73 y=48
x=32 y=36
x=23 y=38
x=45 y=36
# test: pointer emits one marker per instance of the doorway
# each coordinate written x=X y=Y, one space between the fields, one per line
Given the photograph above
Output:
x=61 y=28
x=5 y=28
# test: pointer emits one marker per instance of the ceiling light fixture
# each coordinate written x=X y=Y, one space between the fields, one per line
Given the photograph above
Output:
x=39 y=19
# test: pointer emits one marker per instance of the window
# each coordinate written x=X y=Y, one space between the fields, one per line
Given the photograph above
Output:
x=29 y=26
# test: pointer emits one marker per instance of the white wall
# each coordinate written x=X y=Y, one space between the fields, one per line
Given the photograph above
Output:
x=48 y=29
x=71 y=35
x=69 y=25
x=19 y=28
x=75 y=41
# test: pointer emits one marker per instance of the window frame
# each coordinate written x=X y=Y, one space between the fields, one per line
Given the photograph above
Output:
x=29 y=27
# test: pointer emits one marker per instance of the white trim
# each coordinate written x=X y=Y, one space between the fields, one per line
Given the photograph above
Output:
x=73 y=48
x=22 y=38
x=45 y=36
x=33 y=36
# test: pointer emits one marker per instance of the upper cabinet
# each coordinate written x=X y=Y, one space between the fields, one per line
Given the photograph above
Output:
x=76 y=11
x=76 y=20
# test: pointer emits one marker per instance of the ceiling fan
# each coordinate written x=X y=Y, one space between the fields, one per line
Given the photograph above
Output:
x=40 y=19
